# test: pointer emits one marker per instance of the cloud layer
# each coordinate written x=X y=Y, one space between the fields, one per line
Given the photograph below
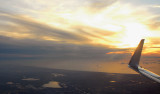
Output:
x=81 y=32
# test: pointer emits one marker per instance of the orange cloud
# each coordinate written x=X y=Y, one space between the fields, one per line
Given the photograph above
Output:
x=119 y=52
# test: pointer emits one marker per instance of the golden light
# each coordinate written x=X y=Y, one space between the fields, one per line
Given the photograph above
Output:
x=17 y=35
x=133 y=33
x=49 y=38
x=121 y=19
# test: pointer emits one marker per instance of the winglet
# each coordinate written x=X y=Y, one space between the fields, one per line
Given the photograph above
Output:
x=134 y=62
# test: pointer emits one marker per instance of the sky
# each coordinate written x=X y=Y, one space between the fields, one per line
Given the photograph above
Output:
x=92 y=35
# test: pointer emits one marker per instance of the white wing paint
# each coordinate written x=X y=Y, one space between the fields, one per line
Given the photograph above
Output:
x=134 y=64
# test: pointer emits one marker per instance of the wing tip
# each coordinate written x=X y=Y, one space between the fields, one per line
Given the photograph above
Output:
x=134 y=62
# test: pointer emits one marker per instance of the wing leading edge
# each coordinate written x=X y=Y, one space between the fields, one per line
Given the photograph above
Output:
x=134 y=64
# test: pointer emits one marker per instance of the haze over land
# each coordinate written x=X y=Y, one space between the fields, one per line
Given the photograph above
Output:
x=92 y=35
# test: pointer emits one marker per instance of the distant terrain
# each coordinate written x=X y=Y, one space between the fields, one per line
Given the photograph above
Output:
x=34 y=80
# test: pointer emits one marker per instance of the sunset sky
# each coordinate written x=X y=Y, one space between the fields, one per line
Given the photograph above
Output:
x=92 y=35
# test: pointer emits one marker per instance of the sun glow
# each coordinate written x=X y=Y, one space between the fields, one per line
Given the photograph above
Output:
x=117 y=25
x=122 y=20
x=118 y=18
x=133 y=33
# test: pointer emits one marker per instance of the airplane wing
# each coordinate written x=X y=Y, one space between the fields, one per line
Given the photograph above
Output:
x=134 y=64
